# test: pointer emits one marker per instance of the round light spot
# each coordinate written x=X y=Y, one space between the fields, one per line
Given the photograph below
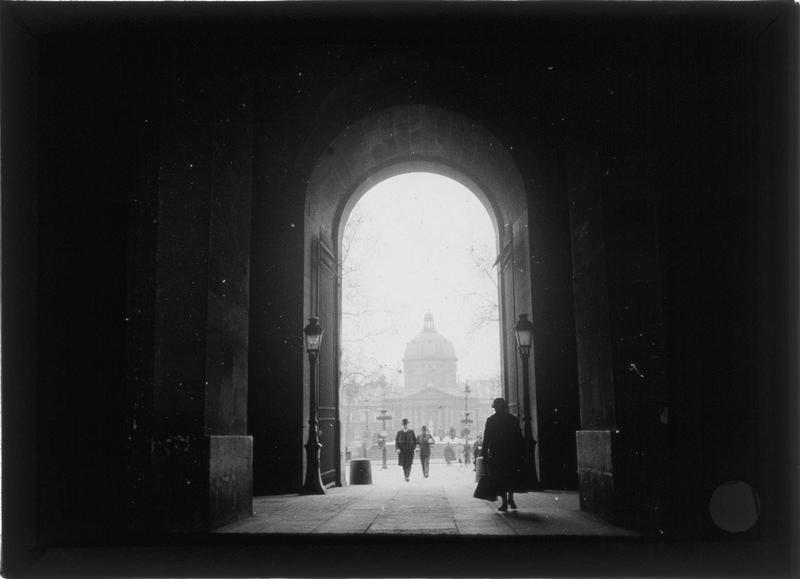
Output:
x=734 y=507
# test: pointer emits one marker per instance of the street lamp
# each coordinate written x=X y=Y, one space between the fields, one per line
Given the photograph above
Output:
x=367 y=442
x=383 y=435
x=523 y=331
x=467 y=420
x=313 y=485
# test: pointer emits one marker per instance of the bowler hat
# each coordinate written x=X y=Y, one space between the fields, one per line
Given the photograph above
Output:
x=405 y=421
x=499 y=403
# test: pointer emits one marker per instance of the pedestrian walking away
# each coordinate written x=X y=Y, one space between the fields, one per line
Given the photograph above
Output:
x=405 y=443
x=503 y=452
x=425 y=441
x=476 y=450
x=449 y=454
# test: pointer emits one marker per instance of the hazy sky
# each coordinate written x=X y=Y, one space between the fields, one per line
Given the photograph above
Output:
x=418 y=243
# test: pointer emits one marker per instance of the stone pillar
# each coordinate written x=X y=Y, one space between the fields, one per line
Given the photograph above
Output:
x=594 y=440
x=201 y=456
x=553 y=370
x=617 y=294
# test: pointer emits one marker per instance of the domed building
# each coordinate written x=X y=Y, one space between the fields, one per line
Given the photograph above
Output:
x=430 y=360
x=432 y=395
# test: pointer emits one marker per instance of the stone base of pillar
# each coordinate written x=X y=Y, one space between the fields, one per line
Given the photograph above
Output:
x=623 y=480
x=230 y=488
x=596 y=484
x=195 y=484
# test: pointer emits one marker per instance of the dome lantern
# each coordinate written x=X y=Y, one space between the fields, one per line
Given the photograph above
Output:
x=429 y=344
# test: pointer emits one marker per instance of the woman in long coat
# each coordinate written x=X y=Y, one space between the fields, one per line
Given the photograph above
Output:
x=503 y=451
x=406 y=443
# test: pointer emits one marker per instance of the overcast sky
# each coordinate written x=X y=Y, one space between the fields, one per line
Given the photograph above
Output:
x=418 y=241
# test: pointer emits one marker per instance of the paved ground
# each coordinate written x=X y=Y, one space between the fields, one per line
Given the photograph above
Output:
x=424 y=528
x=440 y=504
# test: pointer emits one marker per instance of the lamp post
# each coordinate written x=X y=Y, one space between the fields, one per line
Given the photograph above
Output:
x=383 y=435
x=467 y=420
x=313 y=484
x=523 y=331
x=367 y=442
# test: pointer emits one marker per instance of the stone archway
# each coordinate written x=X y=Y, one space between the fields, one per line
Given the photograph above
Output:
x=398 y=140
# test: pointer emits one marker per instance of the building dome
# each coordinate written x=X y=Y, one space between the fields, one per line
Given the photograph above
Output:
x=429 y=345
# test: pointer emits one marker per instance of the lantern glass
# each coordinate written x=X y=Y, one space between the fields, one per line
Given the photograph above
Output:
x=313 y=332
x=523 y=330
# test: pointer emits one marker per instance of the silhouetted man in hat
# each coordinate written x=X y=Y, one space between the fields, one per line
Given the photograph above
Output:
x=405 y=442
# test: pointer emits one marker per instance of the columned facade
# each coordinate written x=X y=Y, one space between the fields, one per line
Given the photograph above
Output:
x=431 y=396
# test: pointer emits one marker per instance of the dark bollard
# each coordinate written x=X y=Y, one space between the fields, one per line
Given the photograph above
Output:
x=360 y=471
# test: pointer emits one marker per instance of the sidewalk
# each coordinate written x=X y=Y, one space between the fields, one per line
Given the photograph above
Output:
x=440 y=504
x=372 y=530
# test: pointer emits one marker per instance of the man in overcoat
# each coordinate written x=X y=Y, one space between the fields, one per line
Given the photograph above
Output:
x=425 y=441
x=405 y=443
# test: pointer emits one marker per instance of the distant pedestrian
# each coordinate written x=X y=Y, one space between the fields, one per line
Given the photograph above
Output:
x=425 y=442
x=467 y=453
x=503 y=449
x=405 y=443
x=449 y=454
x=476 y=449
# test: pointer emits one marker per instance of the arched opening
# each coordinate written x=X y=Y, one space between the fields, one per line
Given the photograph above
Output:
x=403 y=139
x=420 y=320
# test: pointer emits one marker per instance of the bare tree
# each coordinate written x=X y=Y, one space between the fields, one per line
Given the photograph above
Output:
x=362 y=376
x=486 y=309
